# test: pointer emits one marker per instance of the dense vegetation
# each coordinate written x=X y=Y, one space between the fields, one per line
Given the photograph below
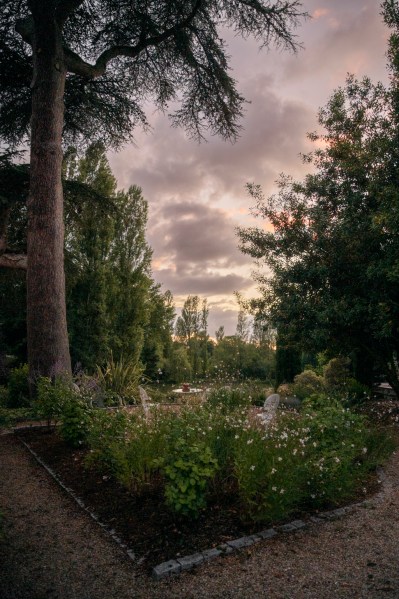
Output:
x=327 y=322
x=333 y=252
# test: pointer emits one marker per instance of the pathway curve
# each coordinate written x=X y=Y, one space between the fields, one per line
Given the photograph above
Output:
x=51 y=549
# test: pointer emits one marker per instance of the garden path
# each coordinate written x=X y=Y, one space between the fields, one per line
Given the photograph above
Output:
x=51 y=549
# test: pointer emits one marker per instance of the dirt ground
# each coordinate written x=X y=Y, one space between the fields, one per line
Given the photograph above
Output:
x=51 y=549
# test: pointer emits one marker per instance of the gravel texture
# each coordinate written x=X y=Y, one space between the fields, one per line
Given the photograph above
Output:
x=50 y=548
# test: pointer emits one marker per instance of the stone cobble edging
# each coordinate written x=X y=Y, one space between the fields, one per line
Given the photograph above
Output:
x=108 y=531
x=178 y=565
x=174 y=567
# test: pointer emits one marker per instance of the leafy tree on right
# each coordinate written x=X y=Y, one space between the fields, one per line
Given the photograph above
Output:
x=334 y=251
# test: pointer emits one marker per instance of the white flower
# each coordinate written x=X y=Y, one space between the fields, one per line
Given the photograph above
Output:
x=364 y=450
x=337 y=460
x=280 y=459
x=273 y=471
x=282 y=491
x=250 y=441
x=274 y=488
x=252 y=467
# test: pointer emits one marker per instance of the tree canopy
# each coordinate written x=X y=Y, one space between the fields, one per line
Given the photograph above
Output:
x=333 y=253
x=119 y=54
x=112 y=301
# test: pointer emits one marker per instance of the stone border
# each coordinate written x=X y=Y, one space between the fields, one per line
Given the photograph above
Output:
x=178 y=565
x=188 y=562
x=109 y=531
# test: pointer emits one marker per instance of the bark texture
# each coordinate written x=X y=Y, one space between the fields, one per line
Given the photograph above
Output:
x=48 y=348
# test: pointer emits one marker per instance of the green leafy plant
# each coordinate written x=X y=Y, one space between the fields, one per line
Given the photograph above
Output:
x=10 y=417
x=229 y=399
x=18 y=387
x=52 y=397
x=128 y=446
x=321 y=456
x=336 y=374
x=307 y=383
x=120 y=379
x=187 y=470
x=75 y=421
x=285 y=390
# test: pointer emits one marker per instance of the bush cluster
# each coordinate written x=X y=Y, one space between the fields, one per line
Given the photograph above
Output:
x=318 y=458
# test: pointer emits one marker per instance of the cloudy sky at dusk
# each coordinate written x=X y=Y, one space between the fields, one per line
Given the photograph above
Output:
x=196 y=192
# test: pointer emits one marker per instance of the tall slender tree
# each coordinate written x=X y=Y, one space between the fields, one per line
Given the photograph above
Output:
x=107 y=261
x=84 y=69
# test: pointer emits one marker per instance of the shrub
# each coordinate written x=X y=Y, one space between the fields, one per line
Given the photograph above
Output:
x=256 y=392
x=18 y=387
x=119 y=379
x=266 y=467
x=307 y=383
x=336 y=374
x=229 y=399
x=178 y=367
x=75 y=421
x=285 y=390
x=106 y=431
x=128 y=446
x=10 y=417
x=321 y=458
x=187 y=469
x=356 y=392
x=317 y=458
x=52 y=397
x=340 y=451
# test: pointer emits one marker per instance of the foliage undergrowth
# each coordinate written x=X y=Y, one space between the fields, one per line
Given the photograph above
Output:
x=318 y=458
x=18 y=387
x=120 y=378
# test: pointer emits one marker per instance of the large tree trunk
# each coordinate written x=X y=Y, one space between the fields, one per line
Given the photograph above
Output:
x=48 y=348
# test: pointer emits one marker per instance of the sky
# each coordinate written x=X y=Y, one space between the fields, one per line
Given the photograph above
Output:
x=196 y=192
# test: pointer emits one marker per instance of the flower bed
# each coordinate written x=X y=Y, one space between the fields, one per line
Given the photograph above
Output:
x=182 y=481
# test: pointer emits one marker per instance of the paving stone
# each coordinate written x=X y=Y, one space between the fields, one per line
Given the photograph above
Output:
x=189 y=561
x=226 y=549
x=268 y=533
x=211 y=553
x=315 y=519
x=327 y=515
x=166 y=569
x=241 y=542
x=298 y=524
x=339 y=512
x=255 y=538
x=286 y=528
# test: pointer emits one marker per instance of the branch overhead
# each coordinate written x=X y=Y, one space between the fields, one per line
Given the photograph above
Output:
x=15 y=261
x=119 y=54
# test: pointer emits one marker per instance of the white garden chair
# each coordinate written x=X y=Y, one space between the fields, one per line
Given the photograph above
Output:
x=269 y=409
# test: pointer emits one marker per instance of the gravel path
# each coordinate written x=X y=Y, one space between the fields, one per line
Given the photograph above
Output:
x=51 y=549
